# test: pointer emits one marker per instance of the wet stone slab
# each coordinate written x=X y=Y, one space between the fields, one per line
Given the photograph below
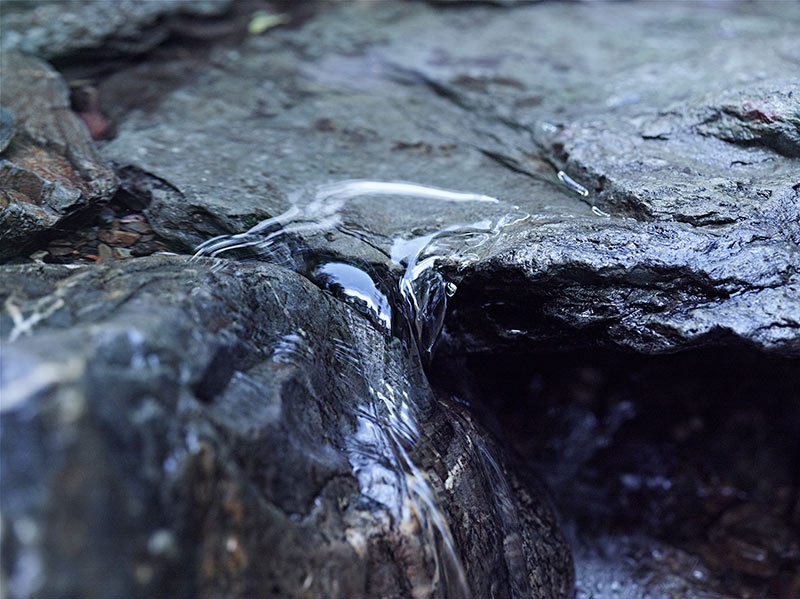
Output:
x=677 y=201
x=55 y=29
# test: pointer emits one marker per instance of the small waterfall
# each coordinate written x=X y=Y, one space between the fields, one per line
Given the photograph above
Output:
x=412 y=309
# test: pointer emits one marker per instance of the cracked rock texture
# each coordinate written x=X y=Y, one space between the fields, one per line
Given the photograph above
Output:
x=680 y=130
x=49 y=167
x=171 y=429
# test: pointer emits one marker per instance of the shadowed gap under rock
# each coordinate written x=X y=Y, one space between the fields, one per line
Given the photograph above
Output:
x=674 y=474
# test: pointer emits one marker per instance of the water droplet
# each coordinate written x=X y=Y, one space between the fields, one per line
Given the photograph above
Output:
x=162 y=542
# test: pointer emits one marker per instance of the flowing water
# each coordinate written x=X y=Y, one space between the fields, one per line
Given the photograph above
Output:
x=411 y=307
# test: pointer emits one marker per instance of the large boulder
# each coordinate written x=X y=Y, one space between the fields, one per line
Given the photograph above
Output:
x=170 y=428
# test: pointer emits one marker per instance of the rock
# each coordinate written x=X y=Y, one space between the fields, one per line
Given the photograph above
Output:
x=104 y=253
x=7 y=128
x=135 y=225
x=119 y=238
x=700 y=161
x=49 y=169
x=650 y=287
x=699 y=175
x=53 y=28
x=766 y=115
x=589 y=190
x=173 y=428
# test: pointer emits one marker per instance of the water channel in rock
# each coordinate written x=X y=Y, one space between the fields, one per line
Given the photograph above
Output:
x=408 y=303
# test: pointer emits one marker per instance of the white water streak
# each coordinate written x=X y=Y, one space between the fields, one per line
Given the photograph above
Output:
x=356 y=187
x=572 y=184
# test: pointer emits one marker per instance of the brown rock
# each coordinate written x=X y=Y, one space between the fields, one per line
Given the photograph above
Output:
x=137 y=226
x=104 y=253
x=119 y=238
x=50 y=168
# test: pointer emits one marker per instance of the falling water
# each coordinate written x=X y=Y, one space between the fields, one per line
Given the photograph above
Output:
x=411 y=309
x=580 y=190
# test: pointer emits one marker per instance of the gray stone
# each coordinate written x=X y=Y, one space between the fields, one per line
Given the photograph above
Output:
x=173 y=428
x=213 y=418
x=7 y=127
x=699 y=175
x=651 y=287
x=57 y=28
x=49 y=167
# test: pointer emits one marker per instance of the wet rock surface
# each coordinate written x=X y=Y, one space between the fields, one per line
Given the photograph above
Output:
x=49 y=168
x=59 y=28
x=636 y=195
x=216 y=432
x=702 y=239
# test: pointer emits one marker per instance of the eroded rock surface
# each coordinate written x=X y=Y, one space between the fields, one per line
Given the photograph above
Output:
x=242 y=431
x=689 y=144
x=170 y=428
x=49 y=167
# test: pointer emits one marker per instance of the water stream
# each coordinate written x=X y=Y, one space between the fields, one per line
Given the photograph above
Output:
x=409 y=306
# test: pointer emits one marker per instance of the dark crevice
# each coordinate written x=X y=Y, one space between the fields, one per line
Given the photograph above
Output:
x=121 y=224
x=699 y=449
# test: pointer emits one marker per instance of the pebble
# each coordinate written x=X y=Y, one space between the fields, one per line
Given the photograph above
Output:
x=111 y=237
x=119 y=238
x=60 y=250
x=104 y=253
x=136 y=226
